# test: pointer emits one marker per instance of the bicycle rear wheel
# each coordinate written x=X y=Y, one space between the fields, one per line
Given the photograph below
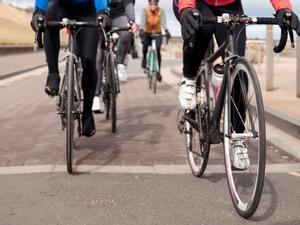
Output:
x=107 y=104
x=197 y=127
x=244 y=123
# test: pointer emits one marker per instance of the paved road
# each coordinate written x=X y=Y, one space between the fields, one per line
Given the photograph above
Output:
x=147 y=140
x=132 y=199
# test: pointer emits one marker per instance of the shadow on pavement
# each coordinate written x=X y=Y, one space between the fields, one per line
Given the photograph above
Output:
x=135 y=130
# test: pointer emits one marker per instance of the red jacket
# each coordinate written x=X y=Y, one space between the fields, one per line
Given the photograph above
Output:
x=277 y=4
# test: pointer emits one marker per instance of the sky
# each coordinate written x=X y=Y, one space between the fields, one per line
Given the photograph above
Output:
x=251 y=8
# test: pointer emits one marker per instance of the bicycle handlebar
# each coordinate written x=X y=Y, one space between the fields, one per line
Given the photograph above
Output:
x=154 y=35
x=231 y=21
x=72 y=23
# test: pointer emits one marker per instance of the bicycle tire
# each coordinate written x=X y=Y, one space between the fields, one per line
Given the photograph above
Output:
x=154 y=82
x=150 y=68
x=77 y=98
x=150 y=81
x=113 y=73
x=245 y=197
x=199 y=151
x=106 y=89
x=70 y=116
x=107 y=106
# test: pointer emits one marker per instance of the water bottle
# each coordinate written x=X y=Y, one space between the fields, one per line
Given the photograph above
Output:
x=216 y=80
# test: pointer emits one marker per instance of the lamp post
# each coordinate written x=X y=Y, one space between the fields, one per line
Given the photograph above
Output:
x=269 y=61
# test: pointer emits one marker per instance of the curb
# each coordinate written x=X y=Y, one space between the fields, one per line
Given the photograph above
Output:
x=283 y=122
x=12 y=49
x=8 y=75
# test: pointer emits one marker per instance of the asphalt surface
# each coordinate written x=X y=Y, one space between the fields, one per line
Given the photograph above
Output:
x=140 y=199
x=146 y=136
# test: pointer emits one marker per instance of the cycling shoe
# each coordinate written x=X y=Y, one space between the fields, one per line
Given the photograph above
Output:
x=52 y=84
x=88 y=124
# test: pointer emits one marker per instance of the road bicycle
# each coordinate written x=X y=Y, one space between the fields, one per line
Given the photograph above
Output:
x=239 y=107
x=111 y=84
x=152 y=65
x=69 y=100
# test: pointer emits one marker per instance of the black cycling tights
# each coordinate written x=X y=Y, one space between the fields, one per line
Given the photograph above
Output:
x=87 y=41
x=147 y=40
x=192 y=60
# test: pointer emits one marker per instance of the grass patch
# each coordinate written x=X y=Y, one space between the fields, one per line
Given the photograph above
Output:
x=12 y=33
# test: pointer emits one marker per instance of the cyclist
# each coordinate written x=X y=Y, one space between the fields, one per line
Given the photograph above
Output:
x=152 y=20
x=87 y=38
x=192 y=28
x=121 y=14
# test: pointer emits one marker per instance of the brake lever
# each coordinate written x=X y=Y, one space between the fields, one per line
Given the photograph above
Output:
x=38 y=40
x=291 y=33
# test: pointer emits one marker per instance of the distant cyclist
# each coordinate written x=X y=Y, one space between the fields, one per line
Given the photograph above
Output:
x=153 y=19
x=87 y=39
x=191 y=27
x=121 y=13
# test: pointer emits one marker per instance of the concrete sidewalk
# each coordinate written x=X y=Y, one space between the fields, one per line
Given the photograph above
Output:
x=19 y=63
x=282 y=107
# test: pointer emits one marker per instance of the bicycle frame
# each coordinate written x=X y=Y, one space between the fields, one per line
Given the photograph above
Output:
x=111 y=41
x=152 y=67
x=207 y=65
x=71 y=60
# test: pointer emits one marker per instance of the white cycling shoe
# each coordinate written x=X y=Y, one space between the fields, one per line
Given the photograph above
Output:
x=240 y=158
x=122 y=72
x=187 y=93
x=97 y=105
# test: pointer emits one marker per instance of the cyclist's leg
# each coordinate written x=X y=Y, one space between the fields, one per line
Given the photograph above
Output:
x=146 y=44
x=193 y=58
x=125 y=37
x=158 y=46
x=88 y=39
x=123 y=44
x=240 y=37
x=55 y=11
x=97 y=101
x=99 y=67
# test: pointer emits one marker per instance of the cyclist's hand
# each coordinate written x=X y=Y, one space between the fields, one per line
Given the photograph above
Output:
x=133 y=26
x=287 y=19
x=38 y=21
x=190 y=22
x=168 y=35
x=104 y=19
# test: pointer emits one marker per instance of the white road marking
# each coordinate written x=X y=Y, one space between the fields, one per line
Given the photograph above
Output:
x=291 y=168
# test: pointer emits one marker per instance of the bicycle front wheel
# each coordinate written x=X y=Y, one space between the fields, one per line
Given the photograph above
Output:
x=70 y=116
x=244 y=138
x=154 y=82
x=113 y=74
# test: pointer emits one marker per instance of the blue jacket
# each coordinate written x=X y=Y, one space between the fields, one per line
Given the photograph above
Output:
x=99 y=4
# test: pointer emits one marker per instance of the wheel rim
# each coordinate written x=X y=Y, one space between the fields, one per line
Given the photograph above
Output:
x=196 y=150
x=245 y=185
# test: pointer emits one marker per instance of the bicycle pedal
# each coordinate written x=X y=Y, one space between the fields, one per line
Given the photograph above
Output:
x=216 y=137
x=233 y=168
